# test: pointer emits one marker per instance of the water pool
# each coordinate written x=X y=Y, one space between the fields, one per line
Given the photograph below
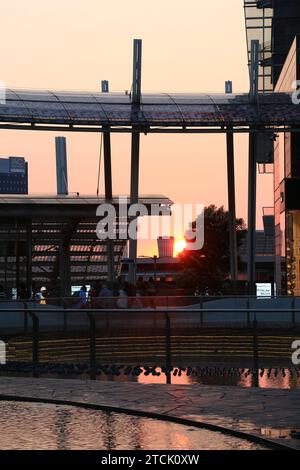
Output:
x=38 y=426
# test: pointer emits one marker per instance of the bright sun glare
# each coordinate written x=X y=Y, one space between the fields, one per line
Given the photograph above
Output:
x=180 y=245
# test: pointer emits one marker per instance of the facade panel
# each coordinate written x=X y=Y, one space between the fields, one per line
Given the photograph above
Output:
x=287 y=189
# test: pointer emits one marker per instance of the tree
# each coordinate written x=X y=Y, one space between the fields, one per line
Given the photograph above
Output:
x=210 y=266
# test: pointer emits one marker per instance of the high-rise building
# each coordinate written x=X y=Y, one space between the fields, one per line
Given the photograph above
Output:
x=13 y=175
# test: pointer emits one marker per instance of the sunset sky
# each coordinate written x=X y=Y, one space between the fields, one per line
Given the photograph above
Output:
x=191 y=46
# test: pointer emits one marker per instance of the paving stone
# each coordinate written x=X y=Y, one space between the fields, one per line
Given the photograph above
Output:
x=249 y=410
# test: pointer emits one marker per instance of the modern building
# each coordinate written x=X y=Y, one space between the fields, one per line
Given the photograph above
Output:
x=287 y=187
x=13 y=175
x=276 y=23
x=165 y=247
x=264 y=258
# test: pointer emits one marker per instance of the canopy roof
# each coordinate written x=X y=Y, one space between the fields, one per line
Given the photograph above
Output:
x=61 y=206
x=56 y=222
x=35 y=108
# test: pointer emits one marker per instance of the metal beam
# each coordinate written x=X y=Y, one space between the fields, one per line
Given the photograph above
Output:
x=197 y=129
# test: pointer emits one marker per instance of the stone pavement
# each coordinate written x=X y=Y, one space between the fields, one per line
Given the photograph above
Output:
x=271 y=413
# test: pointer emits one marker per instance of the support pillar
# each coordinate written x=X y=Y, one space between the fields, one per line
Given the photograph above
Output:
x=5 y=269
x=134 y=197
x=107 y=165
x=29 y=259
x=108 y=197
x=64 y=270
x=251 y=215
x=253 y=98
x=135 y=152
x=232 y=210
x=17 y=255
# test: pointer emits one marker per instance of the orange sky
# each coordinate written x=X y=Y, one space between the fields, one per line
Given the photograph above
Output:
x=191 y=46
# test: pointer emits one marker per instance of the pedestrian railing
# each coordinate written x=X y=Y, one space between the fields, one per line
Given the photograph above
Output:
x=163 y=337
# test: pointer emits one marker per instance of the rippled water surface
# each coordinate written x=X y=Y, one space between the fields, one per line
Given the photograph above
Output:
x=48 y=426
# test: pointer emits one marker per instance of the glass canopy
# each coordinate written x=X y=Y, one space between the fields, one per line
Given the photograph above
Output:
x=165 y=110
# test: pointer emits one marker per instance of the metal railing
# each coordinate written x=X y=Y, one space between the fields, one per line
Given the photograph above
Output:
x=145 y=301
x=161 y=333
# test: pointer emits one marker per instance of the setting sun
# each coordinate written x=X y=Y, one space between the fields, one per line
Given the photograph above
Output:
x=180 y=245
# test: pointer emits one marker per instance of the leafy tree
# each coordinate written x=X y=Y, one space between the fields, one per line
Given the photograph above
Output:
x=209 y=267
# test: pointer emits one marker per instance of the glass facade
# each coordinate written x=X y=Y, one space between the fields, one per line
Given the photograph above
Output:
x=274 y=23
x=258 y=17
x=286 y=175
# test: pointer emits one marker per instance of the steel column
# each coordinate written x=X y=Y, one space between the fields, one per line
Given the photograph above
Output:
x=108 y=197
x=134 y=197
x=107 y=165
x=64 y=270
x=232 y=210
x=135 y=153
x=29 y=259
x=251 y=216
x=17 y=255
x=253 y=94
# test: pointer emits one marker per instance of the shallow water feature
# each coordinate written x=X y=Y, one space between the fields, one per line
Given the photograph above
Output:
x=48 y=426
